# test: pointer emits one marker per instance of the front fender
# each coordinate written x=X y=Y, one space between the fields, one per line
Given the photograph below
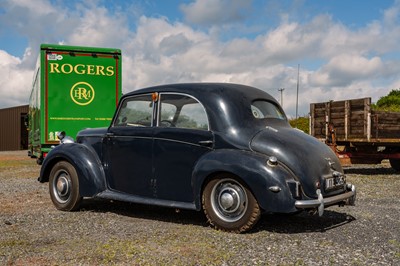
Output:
x=252 y=169
x=86 y=162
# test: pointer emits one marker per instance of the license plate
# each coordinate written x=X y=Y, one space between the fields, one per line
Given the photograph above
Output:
x=335 y=181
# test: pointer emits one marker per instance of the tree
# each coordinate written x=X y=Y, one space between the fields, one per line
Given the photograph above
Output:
x=302 y=123
x=390 y=102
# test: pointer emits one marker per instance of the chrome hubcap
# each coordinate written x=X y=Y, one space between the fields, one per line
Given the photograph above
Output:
x=229 y=200
x=62 y=186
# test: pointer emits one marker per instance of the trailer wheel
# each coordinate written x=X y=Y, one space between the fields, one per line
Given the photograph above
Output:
x=64 y=187
x=39 y=160
x=229 y=205
x=395 y=164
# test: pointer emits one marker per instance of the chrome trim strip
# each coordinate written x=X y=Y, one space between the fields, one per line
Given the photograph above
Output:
x=121 y=196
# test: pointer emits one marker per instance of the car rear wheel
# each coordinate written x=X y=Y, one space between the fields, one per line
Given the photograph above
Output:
x=229 y=205
x=64 y=187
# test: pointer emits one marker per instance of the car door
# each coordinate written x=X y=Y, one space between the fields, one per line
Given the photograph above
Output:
x=181 y=137
x=129 y=147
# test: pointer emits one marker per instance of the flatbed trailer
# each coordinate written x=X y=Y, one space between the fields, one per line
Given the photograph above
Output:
x=357 y=133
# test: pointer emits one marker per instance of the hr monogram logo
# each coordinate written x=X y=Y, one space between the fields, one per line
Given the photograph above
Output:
x=82 y=93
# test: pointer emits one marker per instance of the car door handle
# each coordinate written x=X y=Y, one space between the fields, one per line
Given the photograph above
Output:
x=206 y=143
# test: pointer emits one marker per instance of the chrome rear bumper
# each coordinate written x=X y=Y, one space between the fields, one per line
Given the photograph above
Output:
x=348 y=198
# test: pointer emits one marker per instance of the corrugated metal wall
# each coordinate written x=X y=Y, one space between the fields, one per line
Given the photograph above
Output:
x=13 y=133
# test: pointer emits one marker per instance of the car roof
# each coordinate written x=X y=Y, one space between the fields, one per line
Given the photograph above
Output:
x=202 y=91
x=228 y=105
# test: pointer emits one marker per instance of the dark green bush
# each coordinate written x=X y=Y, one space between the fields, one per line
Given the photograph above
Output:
x=390 y=102
x=302 y=123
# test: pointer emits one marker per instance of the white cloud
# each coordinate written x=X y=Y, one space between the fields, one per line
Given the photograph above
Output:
x=15 y=82
x=161 y=52
x=349 y=63
x=391 y=15
x=97 y=27
x=211 y=12
x=175 y=44
x=342 y=70
x=40 y=7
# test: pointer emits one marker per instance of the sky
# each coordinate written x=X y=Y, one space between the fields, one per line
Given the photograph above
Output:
x=336 y=49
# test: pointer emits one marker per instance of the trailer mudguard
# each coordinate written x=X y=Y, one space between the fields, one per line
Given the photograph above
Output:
x=253 y=171
x=86 y=162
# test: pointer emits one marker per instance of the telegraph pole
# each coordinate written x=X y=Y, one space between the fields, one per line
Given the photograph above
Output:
x=297 y=91
x=281 y=90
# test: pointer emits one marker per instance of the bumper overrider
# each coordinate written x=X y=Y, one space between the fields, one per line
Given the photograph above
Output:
x=346 y=198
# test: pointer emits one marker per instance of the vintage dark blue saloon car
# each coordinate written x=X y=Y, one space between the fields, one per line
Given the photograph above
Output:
x=225 y=149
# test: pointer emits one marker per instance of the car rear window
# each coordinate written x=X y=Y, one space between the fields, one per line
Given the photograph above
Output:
x=265 y=109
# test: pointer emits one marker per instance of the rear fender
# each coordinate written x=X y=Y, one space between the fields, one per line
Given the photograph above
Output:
x=86 y=162
x=252 y=170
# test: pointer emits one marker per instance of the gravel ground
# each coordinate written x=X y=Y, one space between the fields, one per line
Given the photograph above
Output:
x=33 y=232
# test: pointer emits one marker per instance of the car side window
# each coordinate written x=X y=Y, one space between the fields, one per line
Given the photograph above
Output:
x=167 y=114
x=182 y=111
x=136 y=111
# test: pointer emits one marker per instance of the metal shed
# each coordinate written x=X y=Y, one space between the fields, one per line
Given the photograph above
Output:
x=13 y=132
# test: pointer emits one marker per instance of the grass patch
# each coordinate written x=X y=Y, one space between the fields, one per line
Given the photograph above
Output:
x=396 y=244
x=164 y=251
x=12 y=244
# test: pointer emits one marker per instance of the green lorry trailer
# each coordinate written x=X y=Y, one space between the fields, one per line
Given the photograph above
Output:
x=73 y=88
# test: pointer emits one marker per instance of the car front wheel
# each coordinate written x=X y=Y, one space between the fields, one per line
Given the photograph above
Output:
x=64 y=187
x=230 y=206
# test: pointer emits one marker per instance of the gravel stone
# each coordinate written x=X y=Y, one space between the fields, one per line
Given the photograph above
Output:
x=33 y=232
